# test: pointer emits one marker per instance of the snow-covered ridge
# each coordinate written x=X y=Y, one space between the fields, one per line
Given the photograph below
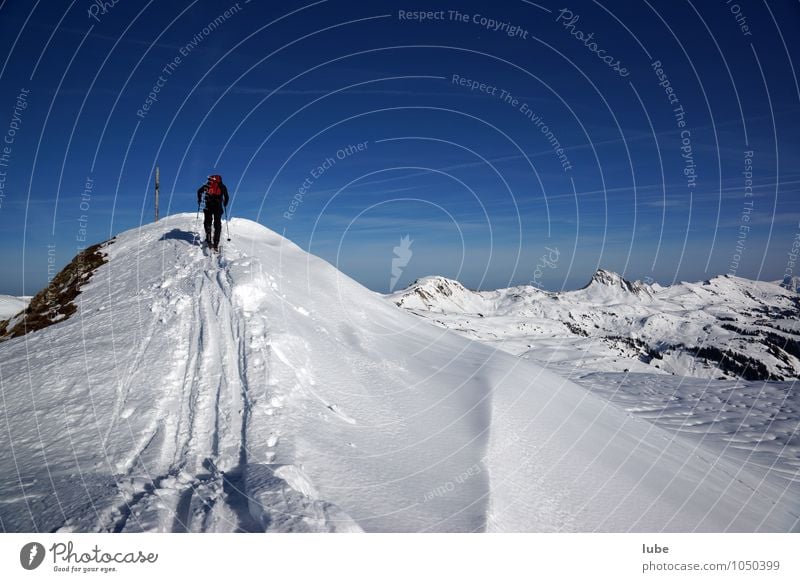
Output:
x=263 y=390
x=725 y=327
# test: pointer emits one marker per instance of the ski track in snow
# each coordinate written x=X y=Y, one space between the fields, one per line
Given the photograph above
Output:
x=187 y=470
x=204 y=487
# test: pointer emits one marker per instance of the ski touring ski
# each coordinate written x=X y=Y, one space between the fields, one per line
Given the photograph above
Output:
x=210 y=251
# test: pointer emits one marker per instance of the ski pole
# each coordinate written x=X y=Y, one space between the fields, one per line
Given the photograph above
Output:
x=197 y=223
x=227 y=223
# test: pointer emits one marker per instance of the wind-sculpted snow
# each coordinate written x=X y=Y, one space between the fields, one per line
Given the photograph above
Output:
x=756 y=423
x=263 y=390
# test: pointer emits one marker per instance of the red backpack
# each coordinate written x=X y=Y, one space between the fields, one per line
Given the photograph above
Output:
x=213 y=188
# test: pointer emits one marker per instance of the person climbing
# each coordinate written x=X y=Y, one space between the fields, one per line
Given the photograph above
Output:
x=216 y=199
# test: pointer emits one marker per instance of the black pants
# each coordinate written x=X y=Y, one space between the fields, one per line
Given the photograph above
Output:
x=213 y=213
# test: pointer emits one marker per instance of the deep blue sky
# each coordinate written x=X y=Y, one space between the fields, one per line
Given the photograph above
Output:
x=278 y=87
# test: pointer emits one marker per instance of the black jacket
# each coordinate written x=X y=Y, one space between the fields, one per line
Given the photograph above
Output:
x=202 y=190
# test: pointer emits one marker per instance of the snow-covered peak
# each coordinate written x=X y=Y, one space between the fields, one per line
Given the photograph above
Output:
x=440 y=294
x=440 y=285
x=607 y=277
x=610 y=279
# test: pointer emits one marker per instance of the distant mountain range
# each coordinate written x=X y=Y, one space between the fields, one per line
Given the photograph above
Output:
x=725 y=327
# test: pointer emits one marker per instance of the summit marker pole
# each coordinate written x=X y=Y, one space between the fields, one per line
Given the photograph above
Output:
x=157 y=188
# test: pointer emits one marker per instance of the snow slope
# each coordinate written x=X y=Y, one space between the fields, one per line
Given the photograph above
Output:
x=263 y=390
x=10 y=305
